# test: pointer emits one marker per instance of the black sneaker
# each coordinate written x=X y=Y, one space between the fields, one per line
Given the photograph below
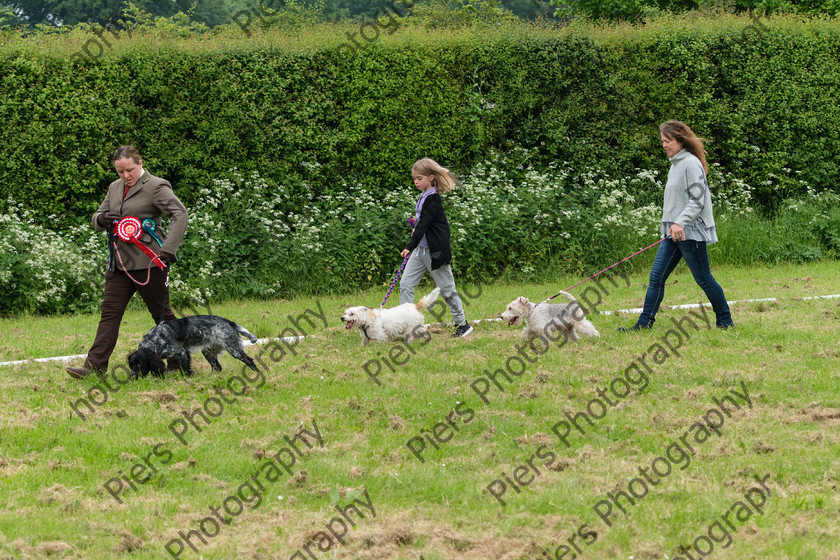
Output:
x=462 y=330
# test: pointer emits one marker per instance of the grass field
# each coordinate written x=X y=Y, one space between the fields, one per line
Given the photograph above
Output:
x=60 y=474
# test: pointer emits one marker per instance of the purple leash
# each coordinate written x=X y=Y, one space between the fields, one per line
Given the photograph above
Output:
x=394 y=283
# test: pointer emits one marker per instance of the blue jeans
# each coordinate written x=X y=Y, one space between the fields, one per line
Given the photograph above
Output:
x=667 y=257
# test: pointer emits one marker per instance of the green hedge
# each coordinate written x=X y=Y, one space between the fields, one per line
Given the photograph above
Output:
x=293 y=153
x=248 y=239
x=313 y=115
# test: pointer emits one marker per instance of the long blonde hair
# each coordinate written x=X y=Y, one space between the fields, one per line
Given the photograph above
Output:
x=679 y=131
x=444 y=180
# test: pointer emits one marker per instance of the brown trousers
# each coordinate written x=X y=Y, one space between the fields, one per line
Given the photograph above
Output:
x=118 y=291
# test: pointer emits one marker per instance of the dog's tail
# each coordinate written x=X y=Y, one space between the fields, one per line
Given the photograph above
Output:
x=570 y=296
x=241 y=330
x=429 y=298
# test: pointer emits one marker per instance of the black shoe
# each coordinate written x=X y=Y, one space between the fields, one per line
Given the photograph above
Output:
x=462 y=330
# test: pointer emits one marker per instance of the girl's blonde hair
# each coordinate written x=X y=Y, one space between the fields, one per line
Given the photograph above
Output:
x=679 y=131
x=444 y=180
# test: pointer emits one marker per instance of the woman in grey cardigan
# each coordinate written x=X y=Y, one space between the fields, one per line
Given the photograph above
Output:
x=687 y=224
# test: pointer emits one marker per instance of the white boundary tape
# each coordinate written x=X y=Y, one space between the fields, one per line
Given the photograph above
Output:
x=686 y=306
x=267 y=340
x=55 y=359
x=68 y=358
x=475 y=322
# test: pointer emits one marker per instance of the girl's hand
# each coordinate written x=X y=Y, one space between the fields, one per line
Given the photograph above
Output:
x=677 y=232
x=405 y=253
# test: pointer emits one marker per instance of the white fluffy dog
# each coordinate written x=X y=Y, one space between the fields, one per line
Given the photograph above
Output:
x=382 y=325
x=541 y=319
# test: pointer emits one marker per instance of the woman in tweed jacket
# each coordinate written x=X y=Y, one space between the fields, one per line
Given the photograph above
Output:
x=140 y=194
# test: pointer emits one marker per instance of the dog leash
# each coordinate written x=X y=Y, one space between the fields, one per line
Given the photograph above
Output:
x=606 y=269
x=394 y=282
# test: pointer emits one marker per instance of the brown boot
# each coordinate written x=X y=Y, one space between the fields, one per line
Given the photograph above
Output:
x=83 y=371
x=77 y=372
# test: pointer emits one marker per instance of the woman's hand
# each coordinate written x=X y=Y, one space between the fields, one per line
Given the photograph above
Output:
x=677 y=232
x=405 y=253
x=105 y=219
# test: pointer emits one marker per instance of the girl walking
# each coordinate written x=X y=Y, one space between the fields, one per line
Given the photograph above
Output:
x=429 y=245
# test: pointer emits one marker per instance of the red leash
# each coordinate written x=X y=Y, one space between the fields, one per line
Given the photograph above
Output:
x=606 y=269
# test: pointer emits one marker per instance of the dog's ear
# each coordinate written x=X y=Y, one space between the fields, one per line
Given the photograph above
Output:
x=133 y=366
x=523 y=300
x=138 y=364
x=371 y=314
x=158 y=367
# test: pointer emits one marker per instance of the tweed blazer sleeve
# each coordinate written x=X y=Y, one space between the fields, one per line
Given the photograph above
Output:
x=169 y=205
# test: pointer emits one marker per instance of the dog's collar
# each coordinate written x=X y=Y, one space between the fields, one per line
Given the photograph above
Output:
x=364 y=330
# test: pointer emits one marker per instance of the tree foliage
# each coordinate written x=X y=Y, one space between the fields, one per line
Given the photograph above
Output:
x=639 y=9
x=218 y=12
x=72 y=12
x=31 y=13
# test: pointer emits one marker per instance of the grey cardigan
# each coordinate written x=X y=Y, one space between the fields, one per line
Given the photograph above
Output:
x=687 y=195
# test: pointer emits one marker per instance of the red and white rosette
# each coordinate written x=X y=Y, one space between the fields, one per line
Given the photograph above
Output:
x=129 y=229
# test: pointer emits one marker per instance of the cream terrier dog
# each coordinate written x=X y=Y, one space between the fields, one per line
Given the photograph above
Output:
x=382 y=325
x=541 y=319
